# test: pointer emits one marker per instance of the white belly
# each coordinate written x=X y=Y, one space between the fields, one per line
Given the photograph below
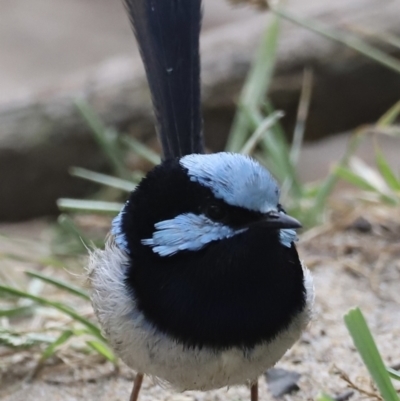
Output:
x=147 y=351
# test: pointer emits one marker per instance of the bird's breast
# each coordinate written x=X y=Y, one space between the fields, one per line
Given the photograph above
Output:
x=226 y=295
x=146 y=348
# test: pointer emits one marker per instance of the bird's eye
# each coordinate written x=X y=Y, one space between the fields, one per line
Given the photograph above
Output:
x=215 y=212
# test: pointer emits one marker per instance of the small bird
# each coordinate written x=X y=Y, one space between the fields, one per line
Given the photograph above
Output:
x=200 y=284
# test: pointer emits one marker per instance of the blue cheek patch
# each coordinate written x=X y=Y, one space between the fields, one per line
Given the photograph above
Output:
x=287 y=236
x=187 y=232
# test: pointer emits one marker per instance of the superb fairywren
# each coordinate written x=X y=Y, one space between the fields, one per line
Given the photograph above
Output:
x=200 y=283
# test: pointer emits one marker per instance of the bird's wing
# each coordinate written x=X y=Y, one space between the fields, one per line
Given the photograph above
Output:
x=168 y=33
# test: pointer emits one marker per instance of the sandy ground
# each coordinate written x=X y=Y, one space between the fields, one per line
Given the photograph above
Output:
x=350 y=268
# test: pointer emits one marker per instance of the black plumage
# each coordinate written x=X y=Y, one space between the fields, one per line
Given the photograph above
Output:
x=168 y=36
x=238 y=292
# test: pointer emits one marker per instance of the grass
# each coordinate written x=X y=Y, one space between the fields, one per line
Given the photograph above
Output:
x=51 y=339
x=366 y=347
x=364 y=342
x=256 y=131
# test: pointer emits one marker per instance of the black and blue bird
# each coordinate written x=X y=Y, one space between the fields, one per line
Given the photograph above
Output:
x=200 y=284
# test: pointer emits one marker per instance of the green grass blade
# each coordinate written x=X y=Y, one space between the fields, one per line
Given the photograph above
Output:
x=51 y=349
x=374 y=179
x=368 y=351
x=105 y=137
x=384 y=37
x=259 y=133
x=324 y=397
x=89 y=206
x=368 y=181
x=394 y=374
x=354 y=179
x=72 y=289
x=387 y=173
x=137 y=175
x=390 y=116
x=16 y=312
x=51 y=261
x=13 y=339
x=302 y=114
x=387 y=37
x=56 y=305
x=277 y=128
x=284 y=169
x=70 y=227
x=277 y=151
x=102 y=349
x=142 y=150
x=256 y=85
x=103 y=179
x=347 y=39
x=327 y=186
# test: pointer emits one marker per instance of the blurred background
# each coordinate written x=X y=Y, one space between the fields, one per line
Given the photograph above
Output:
x=54 y=52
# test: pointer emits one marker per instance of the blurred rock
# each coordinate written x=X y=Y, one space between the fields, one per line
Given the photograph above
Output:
x=281 y=381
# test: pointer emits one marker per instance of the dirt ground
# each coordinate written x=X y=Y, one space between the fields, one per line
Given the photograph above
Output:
x=355 y=262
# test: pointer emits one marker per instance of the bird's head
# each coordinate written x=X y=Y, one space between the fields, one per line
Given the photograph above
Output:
x=186 y=204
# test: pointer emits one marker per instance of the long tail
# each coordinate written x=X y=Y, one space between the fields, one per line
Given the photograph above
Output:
x=168 y=33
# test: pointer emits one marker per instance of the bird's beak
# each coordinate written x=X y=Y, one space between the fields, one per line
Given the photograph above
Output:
x=275 y=219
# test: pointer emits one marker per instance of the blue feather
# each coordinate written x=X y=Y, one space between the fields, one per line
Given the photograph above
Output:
x=187 y=232
x=234 y=178
x=287 y=236
x=117 y=232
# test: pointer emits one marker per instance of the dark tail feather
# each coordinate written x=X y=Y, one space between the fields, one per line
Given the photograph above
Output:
x=168 y=35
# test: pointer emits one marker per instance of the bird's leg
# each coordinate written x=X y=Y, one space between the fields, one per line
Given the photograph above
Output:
x=137 y=384
x=254 y=391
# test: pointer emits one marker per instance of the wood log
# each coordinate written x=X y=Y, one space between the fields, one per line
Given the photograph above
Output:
x=42 y=134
